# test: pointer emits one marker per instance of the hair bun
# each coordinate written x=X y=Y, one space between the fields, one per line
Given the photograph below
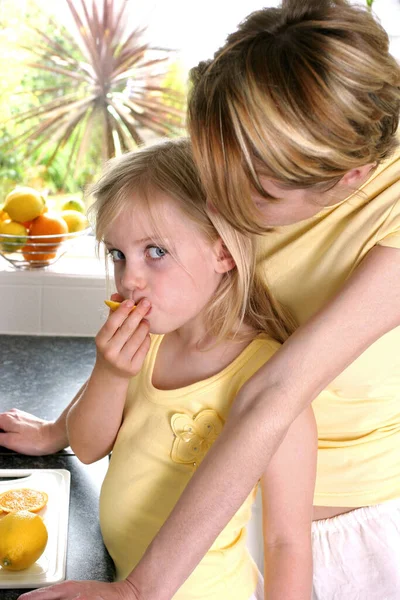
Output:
x=298 y=11
x=197 y=72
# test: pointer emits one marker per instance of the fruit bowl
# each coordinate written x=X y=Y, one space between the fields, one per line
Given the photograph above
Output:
x=37 y=251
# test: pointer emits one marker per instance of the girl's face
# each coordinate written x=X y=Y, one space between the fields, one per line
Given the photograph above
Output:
x=177 y=271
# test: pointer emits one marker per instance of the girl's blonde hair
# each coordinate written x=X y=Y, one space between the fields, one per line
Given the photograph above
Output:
x=168 y=167
x=301 y=94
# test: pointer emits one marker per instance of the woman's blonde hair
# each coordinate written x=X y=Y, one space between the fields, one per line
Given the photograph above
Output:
x=301 y=94
x=168 y=167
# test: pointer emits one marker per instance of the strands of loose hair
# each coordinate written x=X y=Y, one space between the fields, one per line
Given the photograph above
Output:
x=138 y=180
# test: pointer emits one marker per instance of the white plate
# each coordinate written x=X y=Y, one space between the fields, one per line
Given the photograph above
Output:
x=50 y=568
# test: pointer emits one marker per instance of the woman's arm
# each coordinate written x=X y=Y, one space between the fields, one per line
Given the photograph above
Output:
x=287 y=492
x=94 y=420
x=28 y=434
x=367 y=307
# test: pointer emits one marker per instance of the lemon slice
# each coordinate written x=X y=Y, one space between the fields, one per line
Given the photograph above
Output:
x=114 y=305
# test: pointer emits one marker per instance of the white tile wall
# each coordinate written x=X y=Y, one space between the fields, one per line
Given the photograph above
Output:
x=65 y=299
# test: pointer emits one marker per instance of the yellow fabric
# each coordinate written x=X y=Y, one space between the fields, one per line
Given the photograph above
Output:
x=358 y=418
x=164 y=432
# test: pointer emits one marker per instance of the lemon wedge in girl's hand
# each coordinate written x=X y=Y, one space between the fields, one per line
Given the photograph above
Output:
x=114 y=305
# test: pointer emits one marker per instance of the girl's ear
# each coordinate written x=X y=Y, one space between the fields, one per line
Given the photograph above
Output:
x=224 y=261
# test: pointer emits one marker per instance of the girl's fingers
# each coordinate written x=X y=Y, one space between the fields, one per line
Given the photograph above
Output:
x=123 y=358
x=129 y=324
x=6 y=421
x=117 y=297
x=133 y=343
x=140 y=355
x=112 y=327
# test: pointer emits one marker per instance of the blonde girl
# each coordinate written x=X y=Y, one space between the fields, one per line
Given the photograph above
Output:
x=158 y=402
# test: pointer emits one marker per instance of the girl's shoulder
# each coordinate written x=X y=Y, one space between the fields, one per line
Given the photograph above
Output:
x=255 y=355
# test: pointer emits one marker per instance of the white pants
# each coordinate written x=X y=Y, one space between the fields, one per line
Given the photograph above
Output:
x=259 y=593
x=357 y=554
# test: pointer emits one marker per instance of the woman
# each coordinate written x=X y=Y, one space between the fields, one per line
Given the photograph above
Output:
x=293 y=125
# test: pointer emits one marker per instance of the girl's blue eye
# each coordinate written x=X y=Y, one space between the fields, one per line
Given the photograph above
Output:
x=116 y=254
x=155 y=252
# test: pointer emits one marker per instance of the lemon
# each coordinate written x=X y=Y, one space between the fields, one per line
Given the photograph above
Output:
x=3 y=215
x=24 y=204
x=23 y=538
x=74 y=204
x=15 y=229
x=75 y=220
x=114 y=305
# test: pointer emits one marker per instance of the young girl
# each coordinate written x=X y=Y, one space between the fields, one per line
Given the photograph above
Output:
x=158 y=402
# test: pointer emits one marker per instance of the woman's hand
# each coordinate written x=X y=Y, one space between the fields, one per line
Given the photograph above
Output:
x=85 y=590
x=27 y=434
x=123 y=341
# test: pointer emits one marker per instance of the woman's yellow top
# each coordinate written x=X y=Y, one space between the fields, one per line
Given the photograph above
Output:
x=163 y=437
x=358 y=417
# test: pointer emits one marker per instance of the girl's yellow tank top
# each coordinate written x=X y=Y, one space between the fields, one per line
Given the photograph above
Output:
x=163 y=437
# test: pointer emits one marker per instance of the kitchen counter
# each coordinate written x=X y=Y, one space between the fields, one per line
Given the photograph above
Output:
x=41 y=376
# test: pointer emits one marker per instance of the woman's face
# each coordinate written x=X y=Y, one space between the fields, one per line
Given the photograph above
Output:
x=289 y=206
x=175 y=268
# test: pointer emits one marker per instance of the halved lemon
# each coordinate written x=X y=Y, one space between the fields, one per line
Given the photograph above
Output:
x=114 y=305
x=23 y=499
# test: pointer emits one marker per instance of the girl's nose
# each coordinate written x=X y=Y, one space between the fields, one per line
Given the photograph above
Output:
x=133 y=277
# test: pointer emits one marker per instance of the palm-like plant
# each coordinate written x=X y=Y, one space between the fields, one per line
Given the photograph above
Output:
x=105 y=81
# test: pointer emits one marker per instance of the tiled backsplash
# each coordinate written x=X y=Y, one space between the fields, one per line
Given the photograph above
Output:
x=64 y=299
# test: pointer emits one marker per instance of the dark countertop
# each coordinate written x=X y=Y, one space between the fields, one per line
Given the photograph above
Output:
x=41 y=375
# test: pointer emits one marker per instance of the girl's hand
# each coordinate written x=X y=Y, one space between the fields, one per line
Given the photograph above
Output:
x=85 y=590
x=123 y=341
x=26 y=434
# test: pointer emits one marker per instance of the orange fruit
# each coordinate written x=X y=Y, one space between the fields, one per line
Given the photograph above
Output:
x=49 y=224
x=45 y=249
x=27 y=224
x=33 y=253
x=23 y=499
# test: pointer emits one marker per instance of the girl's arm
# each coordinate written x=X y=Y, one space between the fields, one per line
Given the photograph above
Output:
x=287 y=492
x=28 y=434
x=366 y=308
x=94 y=420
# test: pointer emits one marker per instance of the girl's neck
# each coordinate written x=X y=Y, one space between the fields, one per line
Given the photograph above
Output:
x=194 y=336
x=184 y=359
